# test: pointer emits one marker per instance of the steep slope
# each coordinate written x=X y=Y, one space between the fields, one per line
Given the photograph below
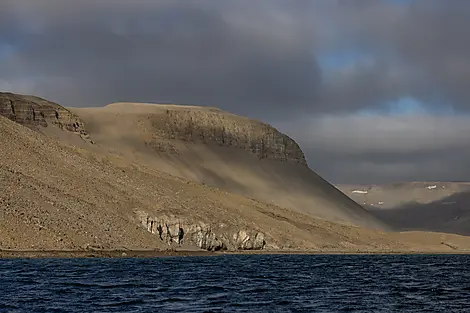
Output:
x=56 y=196
x=222 y=150
x=431 y=206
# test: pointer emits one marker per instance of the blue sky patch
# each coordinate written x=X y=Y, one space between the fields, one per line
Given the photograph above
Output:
x=408 y=106
x=334 y=61
x=5 y=50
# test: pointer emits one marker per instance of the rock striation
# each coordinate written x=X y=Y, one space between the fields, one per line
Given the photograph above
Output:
x=224 y=129
x=34 y=112
x=178 y=231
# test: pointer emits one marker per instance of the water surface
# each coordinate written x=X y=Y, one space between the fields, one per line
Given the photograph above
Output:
x=239 y=283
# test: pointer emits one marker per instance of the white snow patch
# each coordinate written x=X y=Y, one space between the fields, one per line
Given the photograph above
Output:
x=360 y=191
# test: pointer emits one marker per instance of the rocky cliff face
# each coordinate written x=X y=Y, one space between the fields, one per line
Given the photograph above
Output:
x=33 y=112
x=225 y=129
x=177 y=231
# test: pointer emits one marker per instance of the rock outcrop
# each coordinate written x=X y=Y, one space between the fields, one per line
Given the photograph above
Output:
x=214 y=126
x=212 y=237
x=33 y=112
x=258 y=138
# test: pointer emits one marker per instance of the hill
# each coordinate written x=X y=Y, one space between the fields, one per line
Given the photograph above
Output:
x=429 y=206
x=221 y=150
x=58 y=195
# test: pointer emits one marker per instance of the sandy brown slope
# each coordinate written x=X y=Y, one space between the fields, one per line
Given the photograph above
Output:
x=431 y=206
x=222 y=150
x=59 y=196
x=56 y=196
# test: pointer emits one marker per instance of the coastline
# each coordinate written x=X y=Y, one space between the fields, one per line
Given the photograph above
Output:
x=65 y=254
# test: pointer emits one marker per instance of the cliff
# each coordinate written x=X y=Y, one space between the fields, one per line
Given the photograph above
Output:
x=212 y=126
x=33 y=112
x=191 y=124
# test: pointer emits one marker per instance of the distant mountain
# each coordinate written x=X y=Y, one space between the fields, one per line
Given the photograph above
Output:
x=429 y=206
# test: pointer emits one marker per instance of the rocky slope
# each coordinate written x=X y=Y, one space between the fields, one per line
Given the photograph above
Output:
x=57 y=196
x=54 y=195
x=431 y=206
x=221 y=150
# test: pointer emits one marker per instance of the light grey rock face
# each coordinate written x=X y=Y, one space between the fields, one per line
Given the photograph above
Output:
x=33 y=112
x=249 y=241
x=176 y=231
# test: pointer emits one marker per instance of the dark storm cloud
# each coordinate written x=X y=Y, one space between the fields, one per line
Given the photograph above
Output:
x=419 y=48
x=374 y=148
x=182 y=52
x=245 y=56
x=264 y=59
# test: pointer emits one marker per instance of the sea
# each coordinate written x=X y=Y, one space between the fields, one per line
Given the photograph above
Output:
x=238 y=283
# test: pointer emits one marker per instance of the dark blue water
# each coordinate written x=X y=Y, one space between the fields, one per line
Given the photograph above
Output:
x=257 y=283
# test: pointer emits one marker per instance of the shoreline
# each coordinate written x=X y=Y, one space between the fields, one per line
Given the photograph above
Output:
x=66 y=254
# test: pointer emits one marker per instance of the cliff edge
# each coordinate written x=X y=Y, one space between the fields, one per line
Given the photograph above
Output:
x=32 y=112
x=212 y=126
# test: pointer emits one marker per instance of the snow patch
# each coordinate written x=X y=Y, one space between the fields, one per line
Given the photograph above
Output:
x=360 y=191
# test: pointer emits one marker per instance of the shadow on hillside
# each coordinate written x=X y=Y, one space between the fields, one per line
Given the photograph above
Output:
x=213 y=179
x=449 y=215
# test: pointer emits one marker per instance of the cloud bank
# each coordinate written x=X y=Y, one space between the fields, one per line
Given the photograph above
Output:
x=374 y=90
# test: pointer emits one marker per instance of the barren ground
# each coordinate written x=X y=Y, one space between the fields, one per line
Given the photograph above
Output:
x=60 y=192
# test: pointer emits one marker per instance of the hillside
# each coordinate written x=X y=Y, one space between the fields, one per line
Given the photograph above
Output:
x=57 y=195
x=430 y=206
x=222 y=150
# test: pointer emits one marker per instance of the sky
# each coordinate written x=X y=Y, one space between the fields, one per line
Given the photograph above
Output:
x=374 y=91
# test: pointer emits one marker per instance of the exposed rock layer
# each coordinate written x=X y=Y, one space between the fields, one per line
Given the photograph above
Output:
x=33 y=112
x=223 y=129
x=212 y=237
